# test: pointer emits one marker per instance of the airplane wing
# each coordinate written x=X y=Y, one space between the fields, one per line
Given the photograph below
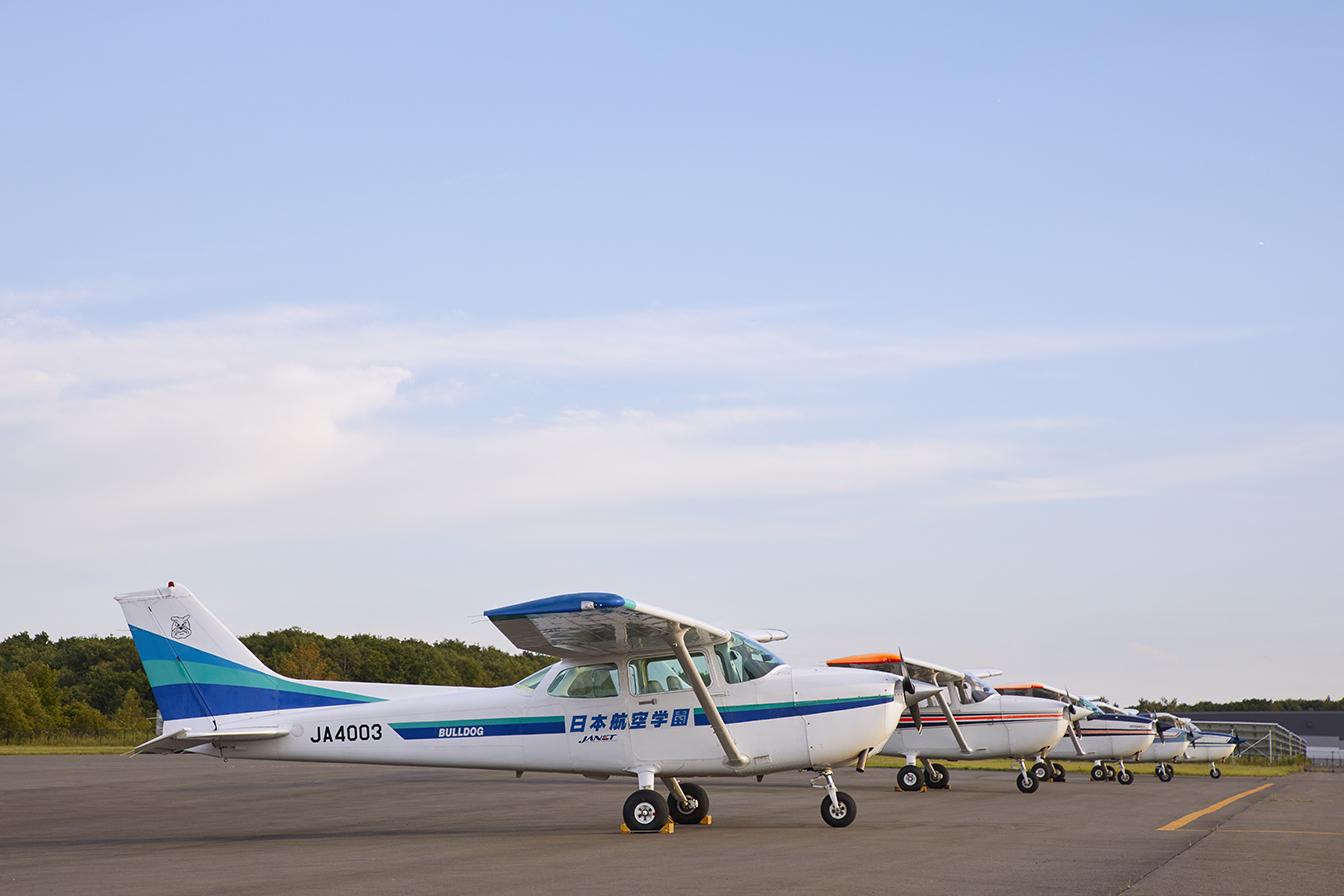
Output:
x=599 y=624
x=985 y=673
x=891 y=662
x=596 y=624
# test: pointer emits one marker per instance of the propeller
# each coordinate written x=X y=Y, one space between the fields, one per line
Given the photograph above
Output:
x=909 y=687
x=1073 y=724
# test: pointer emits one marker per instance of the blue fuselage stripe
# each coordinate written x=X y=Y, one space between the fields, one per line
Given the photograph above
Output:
x=427 y=732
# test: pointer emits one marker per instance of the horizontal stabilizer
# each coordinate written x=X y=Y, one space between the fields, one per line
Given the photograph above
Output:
x=184 y=739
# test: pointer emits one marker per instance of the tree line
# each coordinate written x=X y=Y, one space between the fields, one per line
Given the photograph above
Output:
x=1251 y=704
x=95 y=686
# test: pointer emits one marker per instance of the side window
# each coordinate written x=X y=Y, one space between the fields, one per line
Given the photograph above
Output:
x=597 y=680
x=660 y=674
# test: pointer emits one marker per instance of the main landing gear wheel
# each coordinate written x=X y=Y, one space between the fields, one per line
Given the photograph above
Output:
x=696 y=810
x=1040 y=771
x=1058 y=771
x=937 y=776
x=645 y=812
x=1214 y=773
x=1125 y=776
x=910 y=778
x=838 y=815
x=1098 y=773
x=1110 y=772
x=1028 y=783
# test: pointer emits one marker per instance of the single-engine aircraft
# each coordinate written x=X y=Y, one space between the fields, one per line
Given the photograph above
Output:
x=966 y=719
x=638 y=691
x=1108 y=737
x=1209 y=746
x=1171 y=743
x=1197 y=745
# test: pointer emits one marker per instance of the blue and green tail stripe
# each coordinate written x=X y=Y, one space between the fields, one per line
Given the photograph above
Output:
x=190 y=683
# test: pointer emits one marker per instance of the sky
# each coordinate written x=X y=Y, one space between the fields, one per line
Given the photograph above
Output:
x=1006 y=337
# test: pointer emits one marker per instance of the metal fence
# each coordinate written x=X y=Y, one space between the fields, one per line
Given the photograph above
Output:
x=1264 y=740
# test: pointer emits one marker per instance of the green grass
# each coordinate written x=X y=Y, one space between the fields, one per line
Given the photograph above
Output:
x=1242 y=768
x=67 y=743
x=63 y=749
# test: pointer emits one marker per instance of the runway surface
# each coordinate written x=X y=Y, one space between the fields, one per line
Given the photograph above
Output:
x=192 y=825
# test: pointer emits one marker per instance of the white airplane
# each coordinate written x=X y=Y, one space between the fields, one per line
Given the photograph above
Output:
x=1108 y=737
x=966 y=719
x=620 y=701
x=1171 y=744
x=1209 y=746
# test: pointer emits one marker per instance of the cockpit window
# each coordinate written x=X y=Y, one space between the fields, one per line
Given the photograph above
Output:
x=1088 y=704
x=658 y=674
x=977 y=690
x=530 y=682
x=745 y=660
x=597 y=680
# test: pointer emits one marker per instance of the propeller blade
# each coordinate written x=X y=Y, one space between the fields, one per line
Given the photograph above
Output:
x=915 y=717
x=906 y=683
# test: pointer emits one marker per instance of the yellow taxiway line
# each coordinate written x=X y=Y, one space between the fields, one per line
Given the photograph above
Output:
x=1186 y=819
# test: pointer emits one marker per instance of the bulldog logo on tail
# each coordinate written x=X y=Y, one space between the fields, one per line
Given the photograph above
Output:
x=181 y=627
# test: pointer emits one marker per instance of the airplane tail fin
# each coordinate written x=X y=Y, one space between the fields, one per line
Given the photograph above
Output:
x=198 y=669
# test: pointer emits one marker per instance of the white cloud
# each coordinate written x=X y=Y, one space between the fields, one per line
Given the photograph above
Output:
x=280 y=420
x=1303 y=449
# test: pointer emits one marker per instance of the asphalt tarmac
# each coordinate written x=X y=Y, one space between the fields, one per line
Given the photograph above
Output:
x=193 y=825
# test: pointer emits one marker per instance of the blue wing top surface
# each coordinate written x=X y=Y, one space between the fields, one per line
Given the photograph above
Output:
x=595 y=623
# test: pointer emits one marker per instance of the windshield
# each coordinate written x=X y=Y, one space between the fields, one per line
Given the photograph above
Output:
x=978 y=691
x=530 y=682
x=745 y=660
x=1088 y=704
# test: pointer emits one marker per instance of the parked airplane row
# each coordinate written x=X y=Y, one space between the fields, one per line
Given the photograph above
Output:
x=641 y=692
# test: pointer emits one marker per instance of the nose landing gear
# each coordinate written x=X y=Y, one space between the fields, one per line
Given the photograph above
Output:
x=1027 y=782
x=838 y=808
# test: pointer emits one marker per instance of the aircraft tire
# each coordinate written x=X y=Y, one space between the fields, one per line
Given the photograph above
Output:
x=1058 y=770
x=1098 y=773
x=937 y=780
x=910 y=778
x=645 y=811
x=841 y=816
x=696 y=812
x=1110 y=772
x=1125 y=776
x=1040 y=771
x=1214 y=773
x=1028 y=783
x=1164 y=773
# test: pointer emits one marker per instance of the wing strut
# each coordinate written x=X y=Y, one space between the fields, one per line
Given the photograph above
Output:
x=736 y=759
x=952 y=722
